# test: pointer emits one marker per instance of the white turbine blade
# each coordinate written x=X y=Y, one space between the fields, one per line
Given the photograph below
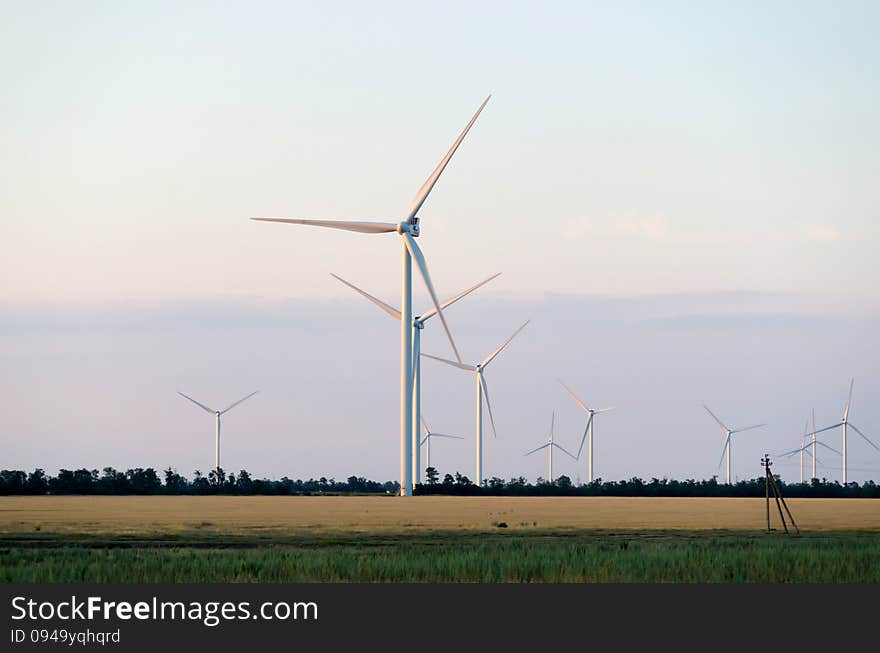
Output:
x=822 y=444
x=552 y=424
x=788 y=454
x=720 y=423
x=827 y=428
x=345 y=225
x=393 y=312
x=461 y=366
x=567 y=452
x=200 y=405
x=848 y=400
x=444 y=435
x=426 y=188
x=424 y=440
x=576 y=398
x=231 y=406
x=748 y=428
x=604 y=410
x=543 y=446
x=724 y=449
x=488 y=403
x=584 y=439
x=464 y=293
x=416 y=253
x=425 y=424
x=504 y=344
x=856 y=429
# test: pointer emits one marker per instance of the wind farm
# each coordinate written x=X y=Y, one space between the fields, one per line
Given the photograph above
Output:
x=654 y=251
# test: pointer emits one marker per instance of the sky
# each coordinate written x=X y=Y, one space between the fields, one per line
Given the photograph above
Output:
x=682 y=197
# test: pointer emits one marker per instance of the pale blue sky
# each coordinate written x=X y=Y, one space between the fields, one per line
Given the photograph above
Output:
x=699 y=152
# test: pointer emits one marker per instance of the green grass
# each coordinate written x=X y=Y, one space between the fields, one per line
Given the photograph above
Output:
x=585 y=556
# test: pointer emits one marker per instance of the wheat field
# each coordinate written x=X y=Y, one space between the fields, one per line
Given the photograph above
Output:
x=361 y=514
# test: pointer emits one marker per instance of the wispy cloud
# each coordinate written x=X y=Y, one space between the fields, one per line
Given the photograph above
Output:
x=821 y=233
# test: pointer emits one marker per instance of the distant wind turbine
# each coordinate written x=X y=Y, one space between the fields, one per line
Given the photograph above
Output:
x=217 y=414
x=588 y=431
x=408 y=229
x=846 y=423
x=418 y=323
x=482 y=391
x=725 y=451
x=427 y=441
x=549 y=446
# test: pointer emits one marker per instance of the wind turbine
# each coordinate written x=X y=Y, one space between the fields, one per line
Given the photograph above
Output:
x=418 y=323
x=550 y=445
x=482 y=391
x=408 y=229
x=588 y=431
x=725 y=451
x=217 y=414
x=427 y=441
x=809 y=447
x=844 y=423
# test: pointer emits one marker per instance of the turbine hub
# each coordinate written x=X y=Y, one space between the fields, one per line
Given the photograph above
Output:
x=418 y=322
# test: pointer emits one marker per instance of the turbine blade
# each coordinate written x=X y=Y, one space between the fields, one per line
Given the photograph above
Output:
x=464 y=293
x=416 y=253
x=345 y=225
x=567 y=452
x=723 y=450
x=828 y=428
x=848 y=400
x=584 y=439
x=504 y=344
x=444 y=435
x=200 y=405
x=866 y=438
x=426 y=188
x=543 y=446
x=462 y=366
x=425 y=424
x=488 y=403
x=720 y=423
x=393 y=312
x=576 y=398
x=822 y=444
x=748 y=428
x=552 y=424
x=424 y=440
x=231 y=406
x=604 y=410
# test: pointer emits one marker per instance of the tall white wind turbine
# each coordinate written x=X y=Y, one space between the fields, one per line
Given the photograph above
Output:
x=408 y=229
x=549 y=446
x=482 y=391
x=588 y=431
x=728 y=432
x=844 y=423
x=217 y=414
x=418 y=324
x=426 y=441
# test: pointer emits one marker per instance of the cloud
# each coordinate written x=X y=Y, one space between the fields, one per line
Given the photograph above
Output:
x=821 y=233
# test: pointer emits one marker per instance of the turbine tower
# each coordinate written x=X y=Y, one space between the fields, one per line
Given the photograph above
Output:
x=217 y=414
x=482 y=391
x=725 y=450
x=588 y=431
x=427 y=441
x=408 y=229
x=549 y=446
x=418 y=324
x=845 y=423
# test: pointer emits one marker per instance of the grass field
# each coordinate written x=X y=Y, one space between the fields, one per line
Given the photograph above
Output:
x=432 y=539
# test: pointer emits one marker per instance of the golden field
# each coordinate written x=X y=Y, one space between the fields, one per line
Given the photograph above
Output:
x=358 y=514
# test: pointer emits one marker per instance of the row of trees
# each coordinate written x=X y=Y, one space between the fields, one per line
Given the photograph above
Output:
x=147 y=481
x=636 y=487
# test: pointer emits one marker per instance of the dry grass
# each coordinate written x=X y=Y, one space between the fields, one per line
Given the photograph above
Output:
x=134 y=515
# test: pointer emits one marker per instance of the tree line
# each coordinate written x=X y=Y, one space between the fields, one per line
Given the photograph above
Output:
x=147 y=481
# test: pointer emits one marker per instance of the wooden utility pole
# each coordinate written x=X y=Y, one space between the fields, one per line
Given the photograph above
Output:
x=770 y=484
